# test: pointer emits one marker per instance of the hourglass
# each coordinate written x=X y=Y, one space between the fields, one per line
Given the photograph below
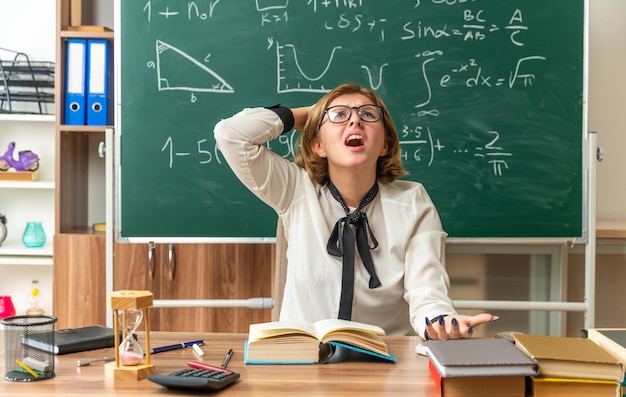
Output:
x=130 y=350
x=130 y=310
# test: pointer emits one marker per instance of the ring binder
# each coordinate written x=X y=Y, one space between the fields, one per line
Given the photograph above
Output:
x=75 y=82
x=98 y=87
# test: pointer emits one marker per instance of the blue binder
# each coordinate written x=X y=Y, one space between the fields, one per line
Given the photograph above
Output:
x=99 y=95
x=75 y=90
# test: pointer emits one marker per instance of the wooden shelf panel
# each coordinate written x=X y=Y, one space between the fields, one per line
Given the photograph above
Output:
x=86 y=34
x=83 y=128
x=82 y=231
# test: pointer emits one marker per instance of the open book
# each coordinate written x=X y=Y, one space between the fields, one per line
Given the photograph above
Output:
x=293 y=342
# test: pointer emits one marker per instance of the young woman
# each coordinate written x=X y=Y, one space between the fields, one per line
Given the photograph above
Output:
x=362 y=245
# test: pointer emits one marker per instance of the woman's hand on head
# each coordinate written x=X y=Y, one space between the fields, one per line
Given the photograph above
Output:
x=455 y=326
x=300 y=115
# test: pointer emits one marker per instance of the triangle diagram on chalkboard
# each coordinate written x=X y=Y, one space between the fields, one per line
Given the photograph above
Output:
x=177 y=70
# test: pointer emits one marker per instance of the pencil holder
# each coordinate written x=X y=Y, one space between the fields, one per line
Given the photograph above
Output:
x=24 y=363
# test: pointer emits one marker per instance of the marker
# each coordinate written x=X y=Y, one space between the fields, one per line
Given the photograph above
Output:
x=181 y=345
x=208 y=367
x=227 y=358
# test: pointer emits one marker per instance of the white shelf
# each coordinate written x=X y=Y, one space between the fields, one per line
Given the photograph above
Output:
x=24 y=201
x=15 y=253
x=43 y=185
x=18 y=248
x=27 y=117
x=26 y=260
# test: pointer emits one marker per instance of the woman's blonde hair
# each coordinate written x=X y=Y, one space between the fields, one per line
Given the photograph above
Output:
x=388 y=168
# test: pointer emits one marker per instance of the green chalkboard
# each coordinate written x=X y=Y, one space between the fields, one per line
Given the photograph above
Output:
x=488 y=97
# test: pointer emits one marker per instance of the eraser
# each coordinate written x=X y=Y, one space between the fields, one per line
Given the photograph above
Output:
x=41 y=366
x=421 y=349
x=197 y=349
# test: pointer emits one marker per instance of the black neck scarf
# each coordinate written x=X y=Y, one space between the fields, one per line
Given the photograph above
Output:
x=342 y=242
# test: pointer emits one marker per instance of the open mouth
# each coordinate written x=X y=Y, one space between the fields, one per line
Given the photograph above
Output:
x=354 y=140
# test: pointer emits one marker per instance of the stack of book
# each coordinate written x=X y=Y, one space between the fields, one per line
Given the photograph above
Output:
x=571 y=367
x=479 y=367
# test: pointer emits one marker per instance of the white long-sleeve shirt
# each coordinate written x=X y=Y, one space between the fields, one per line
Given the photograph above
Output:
x=409 y=259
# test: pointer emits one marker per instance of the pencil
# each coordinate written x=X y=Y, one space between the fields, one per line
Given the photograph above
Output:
x=30 y=371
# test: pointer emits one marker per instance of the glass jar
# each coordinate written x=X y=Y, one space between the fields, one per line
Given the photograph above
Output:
x=34 y=236
x=34 y=300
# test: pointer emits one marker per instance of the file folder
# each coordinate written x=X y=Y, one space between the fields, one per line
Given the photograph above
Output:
x=99 y=96
x=75 y=90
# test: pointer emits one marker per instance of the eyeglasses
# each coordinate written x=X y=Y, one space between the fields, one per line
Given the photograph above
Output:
x=341 y=113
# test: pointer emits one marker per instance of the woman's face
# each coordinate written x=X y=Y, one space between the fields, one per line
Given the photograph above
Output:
x=354 y=144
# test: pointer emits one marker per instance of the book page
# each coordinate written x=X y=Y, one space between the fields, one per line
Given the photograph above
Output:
x=331 y=325
x=612 y=340
x=353 y=333
x=280 y=328
x=364 y=340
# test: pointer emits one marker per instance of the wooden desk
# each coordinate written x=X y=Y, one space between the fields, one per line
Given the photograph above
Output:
x=409 y=376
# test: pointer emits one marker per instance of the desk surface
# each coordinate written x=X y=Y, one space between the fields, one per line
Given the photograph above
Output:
x=409 y=376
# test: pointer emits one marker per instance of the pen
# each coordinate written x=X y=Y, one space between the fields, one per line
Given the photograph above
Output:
x=85 y=362
x=227 y=358
x=176 y=346
x=196 y=365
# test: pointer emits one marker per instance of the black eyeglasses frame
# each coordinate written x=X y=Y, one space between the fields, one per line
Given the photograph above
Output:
x=351 y=108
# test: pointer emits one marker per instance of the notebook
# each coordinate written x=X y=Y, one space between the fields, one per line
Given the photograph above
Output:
x=71 y=340
x=479 y=357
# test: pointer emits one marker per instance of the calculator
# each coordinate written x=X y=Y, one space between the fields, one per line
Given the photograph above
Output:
x=196 y=379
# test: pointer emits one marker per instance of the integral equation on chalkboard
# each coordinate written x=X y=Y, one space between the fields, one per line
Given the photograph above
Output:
x=421 y=139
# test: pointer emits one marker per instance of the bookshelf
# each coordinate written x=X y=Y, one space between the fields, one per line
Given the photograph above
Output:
x=24 y=201
x=79 y=260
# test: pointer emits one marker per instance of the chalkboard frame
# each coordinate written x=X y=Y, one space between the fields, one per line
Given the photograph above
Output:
x=268 y=236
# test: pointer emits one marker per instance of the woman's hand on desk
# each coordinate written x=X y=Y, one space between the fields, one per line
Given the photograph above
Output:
x=455 y=326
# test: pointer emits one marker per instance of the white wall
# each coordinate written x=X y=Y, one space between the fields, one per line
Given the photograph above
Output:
x=28 y=26
x=607 y=102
